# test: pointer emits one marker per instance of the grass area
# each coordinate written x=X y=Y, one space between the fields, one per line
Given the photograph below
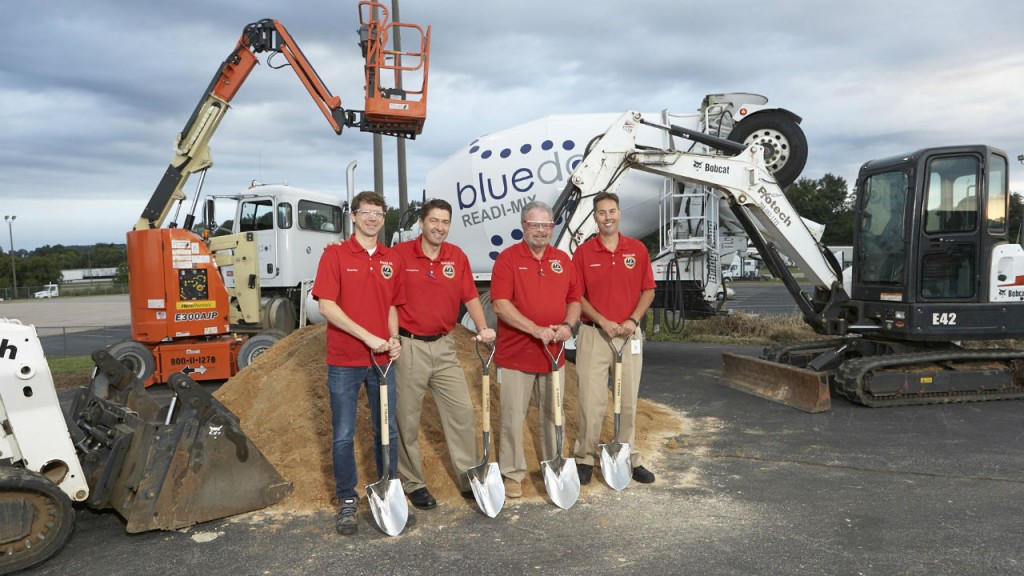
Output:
x=69 y=364
x=738 y=328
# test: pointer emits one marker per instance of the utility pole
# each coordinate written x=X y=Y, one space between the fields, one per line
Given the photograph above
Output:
x=403 y=193
x=10 y=234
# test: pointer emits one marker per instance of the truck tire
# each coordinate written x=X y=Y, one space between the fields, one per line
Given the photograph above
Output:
x=136 y=357
x=489 y=315
x=785 y=146
x=37 y=518
x=256 y=345
x=279 y=314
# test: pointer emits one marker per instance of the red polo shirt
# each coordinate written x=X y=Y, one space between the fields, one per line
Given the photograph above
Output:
x=612 y=281
x=540 y=290
x=434 y=289
x=365 y=286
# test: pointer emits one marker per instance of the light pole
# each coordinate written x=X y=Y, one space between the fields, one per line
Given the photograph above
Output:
x=10 y=234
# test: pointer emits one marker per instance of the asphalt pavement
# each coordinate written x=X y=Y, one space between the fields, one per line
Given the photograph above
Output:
x=745 y=486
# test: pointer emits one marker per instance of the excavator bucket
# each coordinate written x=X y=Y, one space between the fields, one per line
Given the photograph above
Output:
x=796 y=387
x=164 y=468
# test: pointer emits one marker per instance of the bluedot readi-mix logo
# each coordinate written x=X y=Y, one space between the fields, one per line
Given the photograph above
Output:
x=508 y=182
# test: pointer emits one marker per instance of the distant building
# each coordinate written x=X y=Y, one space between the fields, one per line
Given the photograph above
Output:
x=83 y=275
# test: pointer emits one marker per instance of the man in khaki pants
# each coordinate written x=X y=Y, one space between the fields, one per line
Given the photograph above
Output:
x=536 y=298
x=437 y=280
x=618 y=287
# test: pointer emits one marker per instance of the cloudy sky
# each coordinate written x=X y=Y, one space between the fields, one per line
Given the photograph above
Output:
x=92 y=94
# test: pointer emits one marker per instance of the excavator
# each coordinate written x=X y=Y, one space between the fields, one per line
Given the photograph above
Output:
x=935 y=277
x=117 y=446
x=184 y=316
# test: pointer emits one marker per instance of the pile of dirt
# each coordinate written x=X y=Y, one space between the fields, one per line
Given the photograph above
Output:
x=282 y=402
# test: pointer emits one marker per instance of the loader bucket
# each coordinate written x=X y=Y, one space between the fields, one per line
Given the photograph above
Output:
x=796 y=387
x=166 y=468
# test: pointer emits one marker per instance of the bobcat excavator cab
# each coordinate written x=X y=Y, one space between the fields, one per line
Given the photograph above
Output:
x=932 y=267
x=185 y=318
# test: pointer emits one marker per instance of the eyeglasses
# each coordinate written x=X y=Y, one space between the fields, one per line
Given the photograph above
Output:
x=535 y=225
x=370 y=213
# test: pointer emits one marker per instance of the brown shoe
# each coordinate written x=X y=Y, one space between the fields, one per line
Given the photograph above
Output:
x=513 y=488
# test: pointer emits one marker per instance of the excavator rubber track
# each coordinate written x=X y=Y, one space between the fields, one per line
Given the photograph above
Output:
x=940 y=377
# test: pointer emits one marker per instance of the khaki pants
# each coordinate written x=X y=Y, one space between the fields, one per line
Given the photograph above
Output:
x=595 y=368
x=436 y=365
x=515 y=392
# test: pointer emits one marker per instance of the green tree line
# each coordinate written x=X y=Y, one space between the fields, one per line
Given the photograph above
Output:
x=43 y=265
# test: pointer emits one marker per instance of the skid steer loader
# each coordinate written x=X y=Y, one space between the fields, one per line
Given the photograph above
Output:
x=116 y=447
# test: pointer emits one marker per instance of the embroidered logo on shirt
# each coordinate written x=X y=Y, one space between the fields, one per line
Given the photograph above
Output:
x=629 y=261
x=556 y=266
x=448 y=271
x=386 y=271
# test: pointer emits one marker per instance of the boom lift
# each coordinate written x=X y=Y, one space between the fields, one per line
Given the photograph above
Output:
x=932 y=267
x=184 y=317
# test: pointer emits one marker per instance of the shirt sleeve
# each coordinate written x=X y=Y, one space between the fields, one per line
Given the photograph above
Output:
x=327 y=283
x=575 y=292
x=469 y=290
x=502 y=277
x=647 y=281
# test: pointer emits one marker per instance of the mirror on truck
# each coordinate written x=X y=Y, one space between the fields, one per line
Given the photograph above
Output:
x=209 y=215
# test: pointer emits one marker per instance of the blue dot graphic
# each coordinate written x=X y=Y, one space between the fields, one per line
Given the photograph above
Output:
x=497 y=240
x=517 y=234
x=493 y=255
x=525 y=149
x=486 y=154
x=473 y=149
x=568 y=145
x=506 y=153
x=547 y=145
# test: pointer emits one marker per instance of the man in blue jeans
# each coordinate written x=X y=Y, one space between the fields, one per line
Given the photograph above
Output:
x=358 y=287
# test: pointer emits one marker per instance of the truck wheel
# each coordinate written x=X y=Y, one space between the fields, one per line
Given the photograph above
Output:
x=38 y=518
x=279 y=314
x=785 y=146
x=136 y=357
x=258 y=344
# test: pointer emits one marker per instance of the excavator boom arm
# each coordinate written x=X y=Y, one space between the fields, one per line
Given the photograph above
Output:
x=773 y=225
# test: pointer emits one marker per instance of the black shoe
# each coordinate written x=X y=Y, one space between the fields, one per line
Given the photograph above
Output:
x=345 y=522
x=643 y=475
x=467 y=494
x=585 y=471
x=422 y=499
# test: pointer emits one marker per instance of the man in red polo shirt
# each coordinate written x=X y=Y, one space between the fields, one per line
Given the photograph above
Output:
x=536 y=296
x=437 y=281
x=618 y=287
x=359 y=287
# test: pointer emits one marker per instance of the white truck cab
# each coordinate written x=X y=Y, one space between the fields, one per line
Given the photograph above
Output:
x=48 y=291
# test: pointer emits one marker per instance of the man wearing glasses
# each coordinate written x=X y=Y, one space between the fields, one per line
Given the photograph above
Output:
x=536 y=297
x=618 y=287
x=359 y=287
x=437 y=280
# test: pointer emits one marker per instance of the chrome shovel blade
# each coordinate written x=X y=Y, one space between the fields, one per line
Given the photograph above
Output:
x=562 y=481
x=390 y=509
x=616 y=464
x=488 y=488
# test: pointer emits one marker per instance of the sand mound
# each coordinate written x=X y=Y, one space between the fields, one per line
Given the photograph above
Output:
x=282 y=403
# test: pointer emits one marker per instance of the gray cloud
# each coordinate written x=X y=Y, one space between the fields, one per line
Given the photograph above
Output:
x=94 y=93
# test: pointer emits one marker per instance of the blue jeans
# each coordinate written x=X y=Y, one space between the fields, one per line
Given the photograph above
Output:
x=343 y=383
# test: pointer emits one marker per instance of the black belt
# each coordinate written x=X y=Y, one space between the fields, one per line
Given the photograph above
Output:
x=588 y=323
x=407 y=334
